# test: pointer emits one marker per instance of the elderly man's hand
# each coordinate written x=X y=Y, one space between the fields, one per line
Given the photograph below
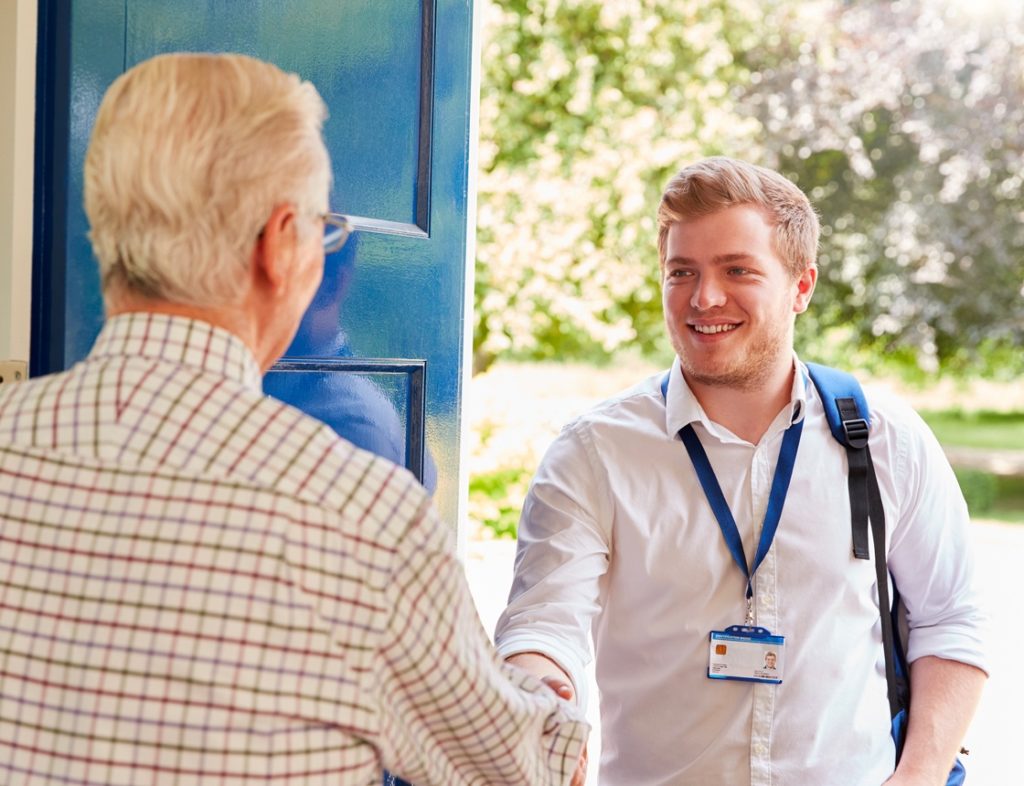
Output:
x=564 y=690
x=551 y=674
x=579 y=778
x=546 y=670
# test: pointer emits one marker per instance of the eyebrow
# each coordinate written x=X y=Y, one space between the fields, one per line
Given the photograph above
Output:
x=721 y=259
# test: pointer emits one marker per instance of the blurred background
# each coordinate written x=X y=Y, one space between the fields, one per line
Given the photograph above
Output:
x=904 y=123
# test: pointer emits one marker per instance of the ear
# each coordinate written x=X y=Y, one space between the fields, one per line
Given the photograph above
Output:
x=805 y=288
x=274 y=254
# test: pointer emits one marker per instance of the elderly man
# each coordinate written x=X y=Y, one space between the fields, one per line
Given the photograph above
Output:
x=201 y=584
x=663 y=518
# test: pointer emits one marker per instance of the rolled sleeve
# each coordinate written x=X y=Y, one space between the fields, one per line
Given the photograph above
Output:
x=931 y=557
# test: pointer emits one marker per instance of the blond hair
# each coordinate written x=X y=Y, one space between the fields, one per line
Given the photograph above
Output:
x=718 y=182
x=189 y=155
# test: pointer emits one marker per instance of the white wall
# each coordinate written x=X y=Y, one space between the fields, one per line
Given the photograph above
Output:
x=17 y=129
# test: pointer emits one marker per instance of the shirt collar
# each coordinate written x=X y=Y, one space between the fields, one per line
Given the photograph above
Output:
x=181 y=340
x=682 y=407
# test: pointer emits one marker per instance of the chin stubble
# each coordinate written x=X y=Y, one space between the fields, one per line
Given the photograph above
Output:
x=751 y=372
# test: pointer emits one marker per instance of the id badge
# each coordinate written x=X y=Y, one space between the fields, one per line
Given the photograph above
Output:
x=748 y=653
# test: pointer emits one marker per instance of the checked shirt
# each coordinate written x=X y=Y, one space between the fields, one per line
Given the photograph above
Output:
x=201 y=585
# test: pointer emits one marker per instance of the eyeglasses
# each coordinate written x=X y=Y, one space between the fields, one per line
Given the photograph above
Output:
x=336 y=231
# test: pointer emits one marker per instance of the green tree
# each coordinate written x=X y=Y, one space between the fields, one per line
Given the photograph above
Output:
x=587 y=107
x=906 y=126
x=901 y=120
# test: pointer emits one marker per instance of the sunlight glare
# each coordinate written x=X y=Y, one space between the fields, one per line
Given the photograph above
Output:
x=992 y=10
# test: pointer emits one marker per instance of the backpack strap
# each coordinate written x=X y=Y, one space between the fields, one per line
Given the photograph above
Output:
x=848 y=418
x=847 y=412
x=895 y=668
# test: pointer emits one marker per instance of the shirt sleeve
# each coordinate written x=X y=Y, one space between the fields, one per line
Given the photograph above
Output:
x=931 y=558
x=452 y=712
x=563 y=553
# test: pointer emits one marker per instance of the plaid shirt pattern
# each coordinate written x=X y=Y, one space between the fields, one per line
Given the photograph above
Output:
x=201 y=585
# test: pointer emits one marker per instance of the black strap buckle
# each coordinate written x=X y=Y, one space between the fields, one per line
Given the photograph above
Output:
x=856 y=431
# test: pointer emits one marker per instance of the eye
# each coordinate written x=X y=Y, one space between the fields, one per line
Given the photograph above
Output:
x=738 y=271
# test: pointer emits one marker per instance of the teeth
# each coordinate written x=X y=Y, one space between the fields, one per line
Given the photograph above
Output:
x=709 y=329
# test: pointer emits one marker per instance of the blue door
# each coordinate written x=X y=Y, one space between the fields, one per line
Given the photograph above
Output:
x=379 y=355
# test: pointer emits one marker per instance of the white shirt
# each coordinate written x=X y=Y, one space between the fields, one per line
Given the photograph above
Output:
x=616 y=532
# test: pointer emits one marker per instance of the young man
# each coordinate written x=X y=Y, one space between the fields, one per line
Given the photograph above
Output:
x=618 y=538
x=199 y=584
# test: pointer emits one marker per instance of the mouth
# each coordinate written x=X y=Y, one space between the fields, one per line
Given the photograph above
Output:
x=710 y=330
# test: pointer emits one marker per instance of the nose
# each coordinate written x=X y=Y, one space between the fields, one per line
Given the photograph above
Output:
x=707 y=294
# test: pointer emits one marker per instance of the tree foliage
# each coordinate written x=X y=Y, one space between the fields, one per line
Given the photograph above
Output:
x=902 y=120
x=906 y=127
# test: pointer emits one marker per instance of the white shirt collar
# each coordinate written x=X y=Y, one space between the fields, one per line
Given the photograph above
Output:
x=682 y=407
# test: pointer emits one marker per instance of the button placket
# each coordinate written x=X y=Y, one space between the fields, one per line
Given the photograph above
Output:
x=765 y=604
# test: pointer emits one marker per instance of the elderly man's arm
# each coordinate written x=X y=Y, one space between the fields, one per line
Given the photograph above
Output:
x=451 y=711
x=945 y=696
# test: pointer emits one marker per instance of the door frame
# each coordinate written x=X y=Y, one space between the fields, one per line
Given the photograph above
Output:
x=50 y=199
x=17 y=108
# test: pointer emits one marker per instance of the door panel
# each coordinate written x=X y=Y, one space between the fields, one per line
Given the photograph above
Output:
x=364 y=56
x=395 y=76
x=378 y=404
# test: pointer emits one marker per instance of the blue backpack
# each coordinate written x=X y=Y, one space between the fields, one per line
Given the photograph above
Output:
x=849 y=420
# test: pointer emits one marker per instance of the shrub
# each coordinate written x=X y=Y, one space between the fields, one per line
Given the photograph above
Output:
x=979 y=489
x=496 y=498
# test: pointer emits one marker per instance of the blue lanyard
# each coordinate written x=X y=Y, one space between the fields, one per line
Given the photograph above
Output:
x=713 y=492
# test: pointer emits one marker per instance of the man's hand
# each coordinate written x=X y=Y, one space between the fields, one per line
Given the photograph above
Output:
x=545 y=669
x=552 y=675
x=561 y=688
x=564 y=691
x=579 y=778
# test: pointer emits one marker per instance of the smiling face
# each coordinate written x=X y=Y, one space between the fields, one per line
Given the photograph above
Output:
x=729 y=300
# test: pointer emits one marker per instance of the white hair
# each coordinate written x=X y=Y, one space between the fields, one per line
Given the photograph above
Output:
x=189 y=156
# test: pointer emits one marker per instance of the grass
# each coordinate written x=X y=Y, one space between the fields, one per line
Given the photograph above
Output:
x=1009 y=500
x=988 y=496
x=983 y=429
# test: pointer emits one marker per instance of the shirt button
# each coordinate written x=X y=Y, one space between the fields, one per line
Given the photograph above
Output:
x=760 y=749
